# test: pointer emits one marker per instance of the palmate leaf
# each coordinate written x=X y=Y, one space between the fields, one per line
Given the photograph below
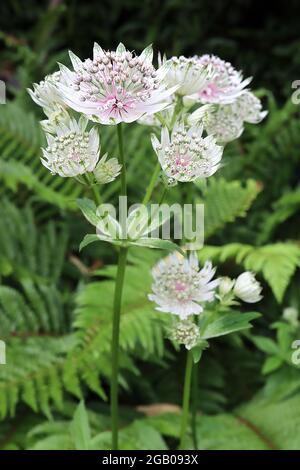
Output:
x=228 y=322
x=276 y=262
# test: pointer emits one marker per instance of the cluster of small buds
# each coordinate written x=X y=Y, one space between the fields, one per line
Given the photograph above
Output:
x=186 y=333
x=107 y=171
x=245 y=288
x=186 y=155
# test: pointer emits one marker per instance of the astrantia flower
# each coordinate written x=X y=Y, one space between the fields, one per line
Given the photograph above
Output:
x=73 y=150
x=189 y=73
x=226 y=285
x=107 y=170
x=247 y=288
x=249 y=108
x=45 y=93
x=226 y=83
x=185 y=155
x=179 y=285
x=221 y=121
x=186 y=333
x=115 y=86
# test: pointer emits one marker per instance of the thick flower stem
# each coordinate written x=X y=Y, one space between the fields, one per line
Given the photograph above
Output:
x=117 y=311
x=194 y=405
x=115 y=346
x=186 y=399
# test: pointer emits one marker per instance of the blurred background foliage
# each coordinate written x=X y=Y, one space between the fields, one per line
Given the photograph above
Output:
x=55 y=304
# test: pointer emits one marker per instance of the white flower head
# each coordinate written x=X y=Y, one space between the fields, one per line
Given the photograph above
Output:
x=46 y=93
x=247 y=288
x=73 y=150
x=107 y=170
x=179 y=286
x=249 y=108
x=226 y=83
x=115 y=86
x=185 y=332
x=222 y=122
x=185 y=155
x=189 y=73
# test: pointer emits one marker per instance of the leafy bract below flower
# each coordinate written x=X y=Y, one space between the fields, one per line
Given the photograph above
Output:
x=226 y=83
x=189 y=73
x=179 y=285
x=185 y=155
x=46 y=93
x=247 y=288
x=107 y=171
x=73 y=150
x=226 y=122
x=115 y=86
x=186 y=333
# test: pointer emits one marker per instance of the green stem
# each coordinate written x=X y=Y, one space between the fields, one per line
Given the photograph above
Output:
x=194 y=405
x=151 y=185
x=123 y=191
x=115 y=347
x=117 y=311
x=186 y=399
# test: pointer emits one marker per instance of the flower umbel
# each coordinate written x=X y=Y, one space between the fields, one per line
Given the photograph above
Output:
x=116 y=86
x=72 y=151
x=247 y=288
x=179 y=285
x=185 y=155
x=185 y=332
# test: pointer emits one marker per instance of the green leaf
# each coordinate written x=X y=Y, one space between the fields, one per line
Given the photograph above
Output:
x=228 y=322
x=271 y=364
x=80 y=429
x=89 y=209
x=266 y=345
x=157 y=243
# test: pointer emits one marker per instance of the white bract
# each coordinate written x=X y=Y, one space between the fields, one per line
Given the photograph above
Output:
x=107 y=170
x=180 y=287
x=186 y=333
x=73 y=150
x=247 y=288
x=185 y=155
x=115 y=86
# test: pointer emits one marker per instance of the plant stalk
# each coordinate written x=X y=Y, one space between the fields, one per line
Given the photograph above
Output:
x=186 y=399
x=117 y=310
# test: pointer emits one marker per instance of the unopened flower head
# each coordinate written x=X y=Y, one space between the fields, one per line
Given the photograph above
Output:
x=185 y=332
x=247 y=288
x=73 y=150
x=291 y=315
x=222 y=122
x=115 y=86
x=188 y=73
x=226 y=285
x=46 y=93
x=179 y=286
x=185 y=155
x=226 y=83
x=107 y=170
